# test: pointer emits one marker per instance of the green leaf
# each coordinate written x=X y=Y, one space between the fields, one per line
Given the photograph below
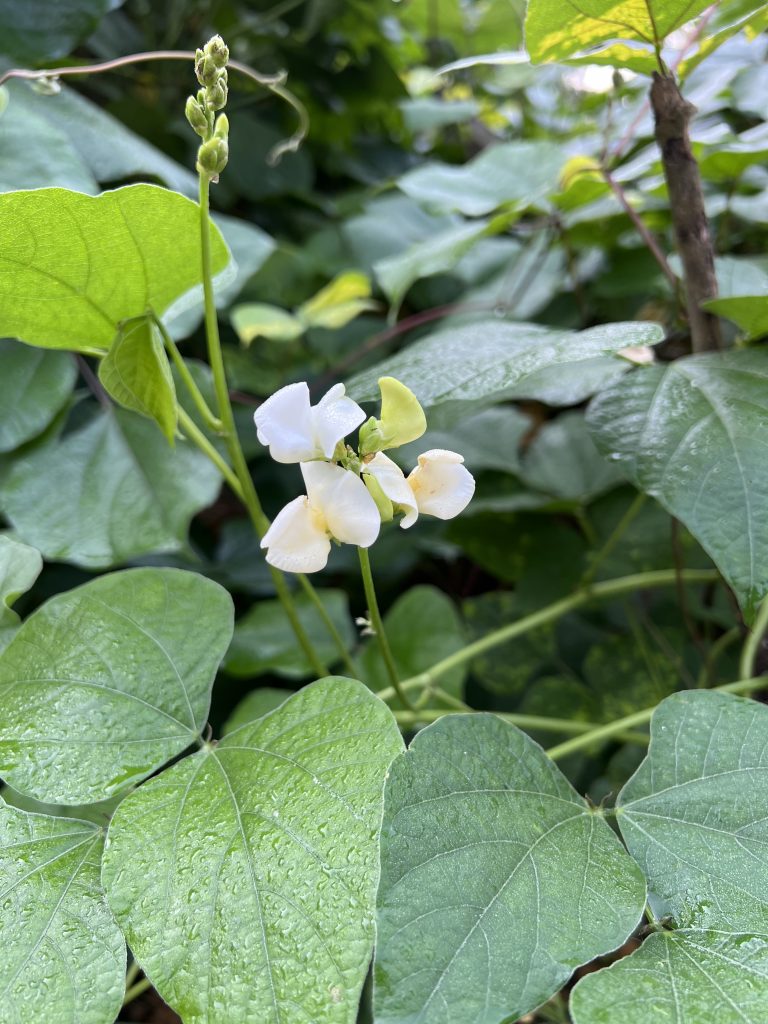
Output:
x=554 y=32
x=34 y=386
x=436 y=255
x=342 y=300
x=259 y=320
x=695 y=814
x=693 y=436
x=497 y=879
x=422 y=627
x=562 y=460
x=105 y=683
x=743 y=295
x=680 y=977
x=458 y=371
x=245 y=876
x=47 y=28
x=265 y=642
x=118 y=493
x=255 y=705
x=61 y=253
x=515 y=174
x=20 y=565
x=136 y=373
x=63 y=955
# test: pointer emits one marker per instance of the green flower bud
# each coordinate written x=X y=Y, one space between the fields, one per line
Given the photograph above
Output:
x=212 y=157
x=205 y=68
x=218 y=51
x=221 y=128
x=383 y=504
x=216 y=94
x=196 y=116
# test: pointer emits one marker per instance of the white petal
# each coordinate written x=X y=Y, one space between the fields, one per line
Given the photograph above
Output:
x=333 y=418
x=395 y=486
x=297 y=540
x=442 y=486
x=284 y=422
x=342 y=499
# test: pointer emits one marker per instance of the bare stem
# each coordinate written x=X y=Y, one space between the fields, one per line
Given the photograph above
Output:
x=378 y=627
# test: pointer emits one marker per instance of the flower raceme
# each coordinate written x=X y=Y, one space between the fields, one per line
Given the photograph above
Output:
x=340 y=504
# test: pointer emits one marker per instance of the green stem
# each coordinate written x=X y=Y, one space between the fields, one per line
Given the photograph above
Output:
x=615 y=537
x=713 y=656
x=136 y=990
x=197 y=437
x=425 y=715
x=614 y=729
x=330 y=625
x=211 y=421
x=378 y=627
x=753 y=641
x=249 y=496
x=596 y=592
x=132 y=974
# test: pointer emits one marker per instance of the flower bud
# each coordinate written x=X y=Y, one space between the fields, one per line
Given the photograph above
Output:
x=221 y=128
x=212 y=157
x=216 y=93
x=402 y=419
x=205 y=68
x=218 y=51
x=383 y=504
x=196 y=117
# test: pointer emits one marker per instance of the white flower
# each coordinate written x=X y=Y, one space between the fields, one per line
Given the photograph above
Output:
x=297 y=431
x=337 y=504
x=439 y=486
x=390 y=478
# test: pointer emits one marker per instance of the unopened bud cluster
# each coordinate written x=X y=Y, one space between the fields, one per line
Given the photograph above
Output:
x=211 y=71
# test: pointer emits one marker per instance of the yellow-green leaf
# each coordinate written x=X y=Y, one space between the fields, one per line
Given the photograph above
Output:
x=135 y=372
x=342 y=300
x=259 y=320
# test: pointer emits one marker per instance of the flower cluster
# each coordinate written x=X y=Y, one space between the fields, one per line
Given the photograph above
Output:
x=350 y=493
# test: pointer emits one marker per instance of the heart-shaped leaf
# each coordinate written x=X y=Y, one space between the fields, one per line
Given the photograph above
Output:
x=105 y=683
x=244 y=877
x=120 y=492
x=73 y=266
x=20 y=565
x=695 y=814
x=680 y=977
x=34 y=386
x=497 y=879
x=63 y=954
x=693 y=435
x=458 y=371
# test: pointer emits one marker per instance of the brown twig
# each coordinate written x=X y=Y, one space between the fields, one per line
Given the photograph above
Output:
x=686 y=200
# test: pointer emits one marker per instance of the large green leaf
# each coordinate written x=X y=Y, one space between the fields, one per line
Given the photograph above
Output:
x=693 y=435
x=743 y=295
x=137 y=374
x=422 y=627
x=460 y=370
x=264 y=640
x=20 y=565
x=695 y=814
x=244 y=877
x=63 y=954
x=554 y=30
x=120 y=492
x=514 y=174
x=680 y=977
x=105 y=683
x=488 y=440
x=61 y=254
x=44 y=29
x=497 y=879
x=34 y=386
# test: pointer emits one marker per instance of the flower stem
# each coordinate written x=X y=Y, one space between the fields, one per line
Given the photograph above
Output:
x=597 y=591
x=195 y=434
x=753 y=641
x=422 y=717
x=211 y=421
x=378 y=627
x=330 y=625
x=614 y=729
x=136 y=990
x=249 y=496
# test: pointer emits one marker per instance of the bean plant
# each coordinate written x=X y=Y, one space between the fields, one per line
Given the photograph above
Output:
x=425 y=817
